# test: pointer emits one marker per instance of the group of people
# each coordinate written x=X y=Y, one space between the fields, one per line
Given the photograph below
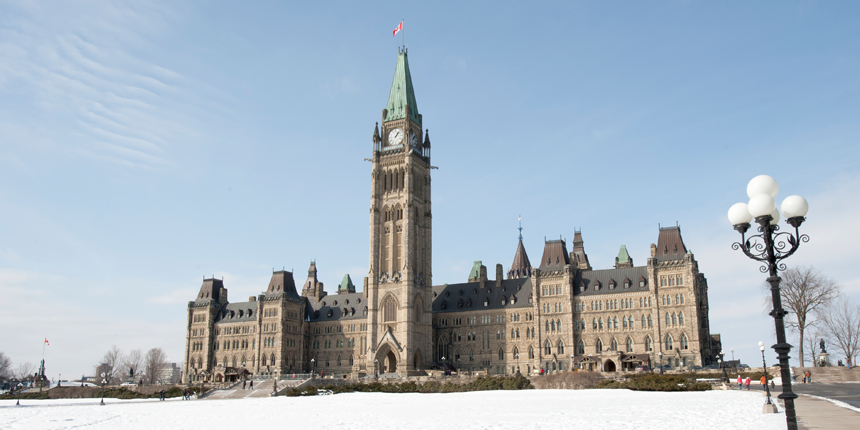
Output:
x=807 y=377
x=245 y=384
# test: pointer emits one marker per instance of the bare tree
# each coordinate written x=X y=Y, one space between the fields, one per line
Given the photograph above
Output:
x=154 y=362
x=803 y=291
x=5 y=366
x=133 y=362
x=25 y=370
x=110 y=364
x=841 y=319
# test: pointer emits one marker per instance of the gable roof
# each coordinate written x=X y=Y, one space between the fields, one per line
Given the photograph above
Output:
x=554 y=255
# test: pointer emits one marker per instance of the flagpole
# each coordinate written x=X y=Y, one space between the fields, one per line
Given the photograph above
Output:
x=403 y=36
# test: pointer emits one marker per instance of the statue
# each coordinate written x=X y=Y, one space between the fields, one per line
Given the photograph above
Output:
x=821 y=344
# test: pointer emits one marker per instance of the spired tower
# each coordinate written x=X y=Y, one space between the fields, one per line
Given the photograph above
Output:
x=399 y=278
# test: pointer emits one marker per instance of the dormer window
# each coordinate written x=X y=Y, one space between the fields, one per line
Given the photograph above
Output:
x=486 y=302
x=596 y=285
x=611 y=284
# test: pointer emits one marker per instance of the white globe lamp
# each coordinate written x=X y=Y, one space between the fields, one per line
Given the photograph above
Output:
x=763 y=184
x=794 y=206
x=739 y=213
x=761 y=204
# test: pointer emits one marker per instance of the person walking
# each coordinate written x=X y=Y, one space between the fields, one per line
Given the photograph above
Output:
x=252 y=384
x=162 y=396
x=808 y=376
x=740 y=382
x=244 y=385
x=747 y=382
x=763 y=382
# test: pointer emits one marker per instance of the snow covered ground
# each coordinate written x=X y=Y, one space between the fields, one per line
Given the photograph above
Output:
x=530 y=409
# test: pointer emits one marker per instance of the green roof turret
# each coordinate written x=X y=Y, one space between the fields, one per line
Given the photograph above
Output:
x=402 y=93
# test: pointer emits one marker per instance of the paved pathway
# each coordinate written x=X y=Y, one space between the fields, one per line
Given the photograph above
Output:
x=845 y=392
x=813 y=414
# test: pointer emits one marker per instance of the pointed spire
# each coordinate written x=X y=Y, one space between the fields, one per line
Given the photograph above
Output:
x=521 y=267
x=346 y=285
x=401 y=99
x=623 y=259
x=427 y=138
x=376 y=138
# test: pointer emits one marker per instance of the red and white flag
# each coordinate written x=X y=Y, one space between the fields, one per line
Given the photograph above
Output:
x=397 y=30
x=46 y=341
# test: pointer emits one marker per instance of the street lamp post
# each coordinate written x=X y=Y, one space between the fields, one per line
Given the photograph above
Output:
x=723 y=366
x=771 y=247
x=769 y=407
x=104 y=381
x=20 y=388
x=376 y=368
x=312 y=368
x=733 y=354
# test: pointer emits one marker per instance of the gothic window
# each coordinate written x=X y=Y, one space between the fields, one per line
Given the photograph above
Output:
x=682 y=299
x=598 y=346
x=648 y=346
x=560 y=347
x=613 y=345
x=624 y=322
x=582 y=323
x=650 y=322
x=553 y=325
x=531 y=351
x=264 y=360
x=471 y=355
x=600 y=323
x=615 y=322
x=669 y=342
x=272 y=359
x=547 y=348
x=681 y=318
x=684 y=343
x=668 y=320
x=674 y=319
x=338 y=361
x=580 y=347
x=629 y=345
x=677 y=299
x=594 y=324
x=501 y=354
x=518 y=333
x=631 y=321
x=558 y=324
x=681 y=280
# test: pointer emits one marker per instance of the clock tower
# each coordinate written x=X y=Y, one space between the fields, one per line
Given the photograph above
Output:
x=400 y=274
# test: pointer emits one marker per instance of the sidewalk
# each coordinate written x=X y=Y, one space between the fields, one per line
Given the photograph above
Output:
x=813 y=414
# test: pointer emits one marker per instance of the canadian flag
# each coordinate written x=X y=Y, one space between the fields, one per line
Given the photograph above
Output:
x=397 y=30
x=46 y=341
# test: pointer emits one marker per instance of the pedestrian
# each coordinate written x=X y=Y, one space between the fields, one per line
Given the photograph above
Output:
x=252 y=385
x=740 y=382
x=747 y=382
x=184 y=394
x=244 y=384
x=162 y=395
x=763 y=382
x=771 y=385
x=809 y=376
x=541 y=371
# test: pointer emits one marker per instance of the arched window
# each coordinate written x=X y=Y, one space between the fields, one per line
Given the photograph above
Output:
x=594 y=323
x=560 y=347
x=351 y=361
x=668 y=320
x=531 y=351
x=600 y=323
x=518 y=333
x=669 y=346
x=582 y=324
x=629 y=345
x=558 y=324
x=624 y=322
x=630 y=318
x=547 y=348
x=650 y=322
x=389 y=309
x=471 y=355
x=547 y=325
x=598 y=346
x=613 y=346
x=615 y=322
x=552 y=323
x=580 y=347
x=648 y=345
x=684 y=343
x=681 y=318
x=501 y=354
x=419 y=310
x=674 y=319
x=264 y=360
x=338 y=361
x=234 y=361
x=643 y=320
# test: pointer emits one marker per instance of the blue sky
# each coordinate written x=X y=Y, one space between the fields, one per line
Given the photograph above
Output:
x=144 y=145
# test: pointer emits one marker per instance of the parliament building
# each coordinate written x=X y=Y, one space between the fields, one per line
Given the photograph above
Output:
x=556 y=315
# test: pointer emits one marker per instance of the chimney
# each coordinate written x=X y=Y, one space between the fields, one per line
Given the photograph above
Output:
x=483 y=279
x=499 y=275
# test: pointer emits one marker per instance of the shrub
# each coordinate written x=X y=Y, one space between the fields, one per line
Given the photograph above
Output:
x=657 y=382
x=482 y=383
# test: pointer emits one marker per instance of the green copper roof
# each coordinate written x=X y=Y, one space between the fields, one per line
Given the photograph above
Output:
x=623 y=256
x=401 y=92
x=346 y=284
x=476 y=270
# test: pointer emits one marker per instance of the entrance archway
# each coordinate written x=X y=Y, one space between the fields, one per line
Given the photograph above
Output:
x=390 y=364
x=609 y=366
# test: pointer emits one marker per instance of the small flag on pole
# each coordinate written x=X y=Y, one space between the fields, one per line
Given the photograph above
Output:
x=398 y=29
x=46 y=341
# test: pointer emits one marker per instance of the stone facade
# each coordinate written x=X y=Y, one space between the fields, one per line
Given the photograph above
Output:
x=557 y=316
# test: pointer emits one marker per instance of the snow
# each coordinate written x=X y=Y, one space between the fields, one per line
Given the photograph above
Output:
x=528 y=409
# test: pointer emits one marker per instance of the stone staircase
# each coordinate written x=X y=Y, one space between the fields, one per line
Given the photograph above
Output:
x=829 y=375
x=261 y=389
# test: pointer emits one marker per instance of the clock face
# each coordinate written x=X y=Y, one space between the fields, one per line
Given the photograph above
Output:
x=395 y=137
